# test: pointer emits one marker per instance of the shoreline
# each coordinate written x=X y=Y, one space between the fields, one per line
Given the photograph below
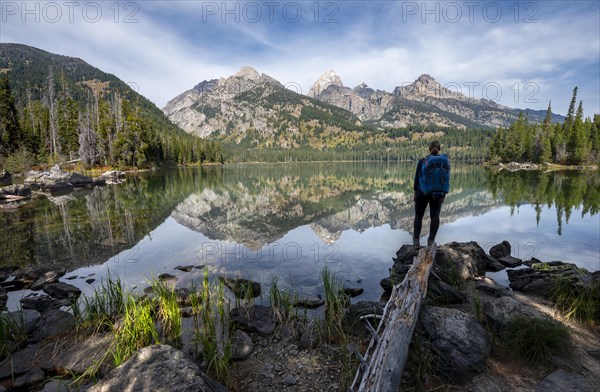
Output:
x=276 y=350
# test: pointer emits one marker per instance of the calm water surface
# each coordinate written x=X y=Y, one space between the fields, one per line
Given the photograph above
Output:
x=291 y=220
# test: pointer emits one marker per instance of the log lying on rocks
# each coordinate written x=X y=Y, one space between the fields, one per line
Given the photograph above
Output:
x=383 y=363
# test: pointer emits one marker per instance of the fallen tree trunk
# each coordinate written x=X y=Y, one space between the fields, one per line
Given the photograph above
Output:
x=384 y=360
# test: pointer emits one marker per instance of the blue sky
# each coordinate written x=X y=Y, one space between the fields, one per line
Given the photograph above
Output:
x=519 y=54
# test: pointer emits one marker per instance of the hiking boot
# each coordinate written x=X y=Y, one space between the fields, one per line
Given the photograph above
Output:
x=430 y=242
x=416 y=243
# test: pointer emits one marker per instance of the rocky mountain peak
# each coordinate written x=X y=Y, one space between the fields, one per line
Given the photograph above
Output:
x=327 y=79
x=426 y=87
x=248 y=72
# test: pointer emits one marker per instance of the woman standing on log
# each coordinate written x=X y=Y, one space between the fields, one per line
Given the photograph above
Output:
x=432 y=183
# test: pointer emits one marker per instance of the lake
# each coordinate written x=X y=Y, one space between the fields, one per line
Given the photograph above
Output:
x=289 y=221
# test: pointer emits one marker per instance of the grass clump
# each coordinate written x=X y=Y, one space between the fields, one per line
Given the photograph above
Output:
x=137 y=329
x=12 y=333
x=332 y=326
x=535 y=340
x=211 y=326
x=104 y=307
x=167 y=311
x=577 y=301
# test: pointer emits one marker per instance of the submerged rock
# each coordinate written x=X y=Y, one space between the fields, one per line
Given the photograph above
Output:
x=309 y=302
x=242 y=288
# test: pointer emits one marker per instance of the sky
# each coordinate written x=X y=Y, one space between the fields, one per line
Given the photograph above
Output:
x=521 y=54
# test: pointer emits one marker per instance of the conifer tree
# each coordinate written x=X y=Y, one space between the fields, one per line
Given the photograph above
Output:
x=11 y=136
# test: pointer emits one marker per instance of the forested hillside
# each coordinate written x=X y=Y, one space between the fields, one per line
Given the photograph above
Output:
x=56 y=109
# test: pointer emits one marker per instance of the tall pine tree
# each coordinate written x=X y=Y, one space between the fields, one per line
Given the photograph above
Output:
x=11 y=136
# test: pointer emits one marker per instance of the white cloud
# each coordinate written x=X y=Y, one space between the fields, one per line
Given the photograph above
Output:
x=172 y=48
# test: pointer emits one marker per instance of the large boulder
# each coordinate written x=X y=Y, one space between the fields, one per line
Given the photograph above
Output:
x=458 y=261
x=500 y=311
x=460 y=343
x=158 y=368
x=541 y=278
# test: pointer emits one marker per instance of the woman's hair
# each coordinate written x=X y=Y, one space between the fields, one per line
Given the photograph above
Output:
x=435 y=147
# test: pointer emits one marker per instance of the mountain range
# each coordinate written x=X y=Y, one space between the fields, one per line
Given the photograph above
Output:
x=254 y=105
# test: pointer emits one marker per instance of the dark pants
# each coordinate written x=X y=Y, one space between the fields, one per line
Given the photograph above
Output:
x=435 y=206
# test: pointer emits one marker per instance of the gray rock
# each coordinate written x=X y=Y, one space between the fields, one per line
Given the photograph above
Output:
x=62 y=290
x=52 y=322
x=309 y=302
x=158 y=368
x=510 y=262
x=184 y=268
x=15 y=192
x=56 y=179
x=488 y=285
x=406 y=254
x=289 y=380
x=500 y=250
x=90 y=280
x=309 y=338
x=256 y=318
x=443 y=294
x=32 y=377
x=459 y=261
x=25 y=319
x=561 y=380
x=35 y=355
x=494 y=265
x=42 y=303
x=460 y=342
x=76 y=356
x=242 y=345
x=532 y=261
x=168 y=279
x=6 y=272
x=387 y=285
x=500 y=311
x=352 y=317
x=47 y=276
x=353 y=291
x=267 y=371
x=541 y=278
x=242 y=288
x=5 y=178
x=67 y=386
